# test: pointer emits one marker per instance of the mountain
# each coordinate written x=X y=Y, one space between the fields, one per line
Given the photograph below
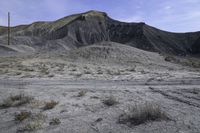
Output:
x=92 y=27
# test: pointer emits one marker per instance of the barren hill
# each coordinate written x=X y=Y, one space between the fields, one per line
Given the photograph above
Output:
x=92 y=27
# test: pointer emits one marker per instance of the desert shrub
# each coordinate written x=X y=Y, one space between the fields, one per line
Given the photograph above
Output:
x=27 y=69
x=76 y=74
x=142 y=114
x=87 y=72
x=51 y=75
x=110 y=101
x=30 y=127
x=55 y=121
x=99 y=71
x=85 y=67
x=16 y=100
x=132 y=69
x=94 y=97
x=72 y=65
x=82 y=93
x=50 y=105
x=18 y=73
x=73 y=69
x=6 y=103
x=193 y=63
x=22 y=116
x=110 y=72
x=38 y=117
x=44 y=71
x=169 y=58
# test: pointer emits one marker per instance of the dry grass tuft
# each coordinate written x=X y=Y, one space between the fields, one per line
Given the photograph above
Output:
x=17 y=100
x=30 y=127
x=110 y=101
x=142 y=114
x=55 y=121
x=82 y=93
x=22 y=116
x=50 y=105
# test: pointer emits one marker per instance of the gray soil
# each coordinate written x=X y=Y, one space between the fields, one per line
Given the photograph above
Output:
x=82 y=73
x=88 y=113
x=147 y=78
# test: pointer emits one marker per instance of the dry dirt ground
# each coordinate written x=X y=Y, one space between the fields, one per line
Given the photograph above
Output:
x=54 y=95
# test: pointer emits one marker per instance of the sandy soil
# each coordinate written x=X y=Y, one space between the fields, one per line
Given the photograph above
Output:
x=88 y=113
x=79 y=89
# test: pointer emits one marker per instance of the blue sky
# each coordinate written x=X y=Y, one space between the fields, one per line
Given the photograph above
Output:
x=169 y=15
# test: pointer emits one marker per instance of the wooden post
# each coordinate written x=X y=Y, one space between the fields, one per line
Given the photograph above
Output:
x=8 y=28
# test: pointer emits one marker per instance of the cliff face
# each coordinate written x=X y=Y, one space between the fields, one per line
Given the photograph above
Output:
x=93 y=27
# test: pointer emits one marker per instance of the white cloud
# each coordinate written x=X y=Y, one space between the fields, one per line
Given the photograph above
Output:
x=168 y=7
x=135 y=18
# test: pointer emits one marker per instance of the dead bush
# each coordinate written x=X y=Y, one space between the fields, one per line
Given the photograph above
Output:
x=87 y=72
x=170 y=59
x=82 y=93
x=55 y=121
x=16 y=100
x=110 y=101
x=30 y=127
x=143 y=113
x=22 y=116
x=50 y=105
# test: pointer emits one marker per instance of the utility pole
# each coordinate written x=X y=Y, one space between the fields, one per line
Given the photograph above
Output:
x=8 y=28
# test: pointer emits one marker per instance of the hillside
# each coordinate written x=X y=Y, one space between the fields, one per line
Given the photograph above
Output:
x=92 y=27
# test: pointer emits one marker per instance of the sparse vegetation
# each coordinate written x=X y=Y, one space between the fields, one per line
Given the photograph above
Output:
x=73 y=69
x=30 y=127
x=35 y=121
x=71 y=65
x=24 y=68
x=192 y=63
x=82 y=93
x=16 y=100
x=187 y=61
x=44 y=71
x=169 y=58
x=18 y=73
x=131 y=69
x=142 y=114
x=87 y=72
x=50 y=105
x=110 y=101
x=99 y=71
x=38 y=117
x=51 y=75
x=94 y=97
x=110 y=72
x=192 y=91
x=77 y=75
x=55 y=121
x=22 y=116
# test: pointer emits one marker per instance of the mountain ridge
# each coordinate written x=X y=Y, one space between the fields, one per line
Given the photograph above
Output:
x=93 y=27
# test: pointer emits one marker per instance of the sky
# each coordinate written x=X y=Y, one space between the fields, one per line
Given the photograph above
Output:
x=169 y=15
